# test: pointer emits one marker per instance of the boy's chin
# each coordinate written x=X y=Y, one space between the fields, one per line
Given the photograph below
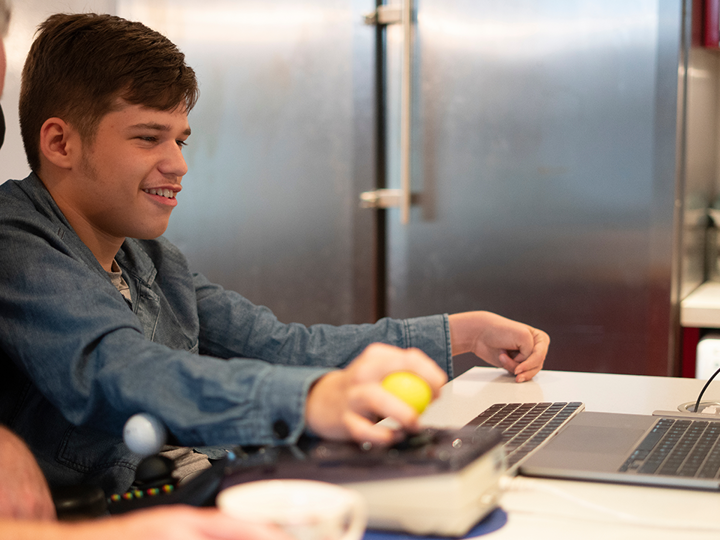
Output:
x=151 y=234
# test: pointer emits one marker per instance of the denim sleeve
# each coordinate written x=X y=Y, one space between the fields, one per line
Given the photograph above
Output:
x=230 y=326
x=86 y=354
x=70 y=331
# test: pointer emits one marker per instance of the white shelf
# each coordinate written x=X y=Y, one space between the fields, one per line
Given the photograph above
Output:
x=701 y=308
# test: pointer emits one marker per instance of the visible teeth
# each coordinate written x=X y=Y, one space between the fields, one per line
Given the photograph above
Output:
x=168 y=193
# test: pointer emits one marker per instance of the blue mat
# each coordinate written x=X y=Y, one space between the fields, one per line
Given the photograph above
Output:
x=492 y=522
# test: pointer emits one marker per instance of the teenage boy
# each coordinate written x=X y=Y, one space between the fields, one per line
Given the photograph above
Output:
x=103 y=318
x=26 y=507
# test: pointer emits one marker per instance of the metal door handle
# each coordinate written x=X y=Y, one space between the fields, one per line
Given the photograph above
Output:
x=402 y=197
x=381 y=198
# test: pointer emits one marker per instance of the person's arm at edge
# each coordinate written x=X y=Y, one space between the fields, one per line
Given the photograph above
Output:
x=175 y=522
x=24 y=492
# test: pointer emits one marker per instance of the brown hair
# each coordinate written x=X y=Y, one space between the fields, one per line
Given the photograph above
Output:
x=80 y=64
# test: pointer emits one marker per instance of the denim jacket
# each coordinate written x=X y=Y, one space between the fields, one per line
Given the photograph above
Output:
x=77 y=360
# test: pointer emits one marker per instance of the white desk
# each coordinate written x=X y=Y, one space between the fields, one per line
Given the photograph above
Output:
x=555 y=509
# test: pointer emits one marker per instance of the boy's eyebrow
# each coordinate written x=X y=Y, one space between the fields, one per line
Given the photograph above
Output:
x=157 y=127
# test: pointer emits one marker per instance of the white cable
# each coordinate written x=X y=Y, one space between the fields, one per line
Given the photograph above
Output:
x=525 y=484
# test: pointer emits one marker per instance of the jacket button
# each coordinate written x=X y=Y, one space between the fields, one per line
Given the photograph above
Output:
x=281 y=429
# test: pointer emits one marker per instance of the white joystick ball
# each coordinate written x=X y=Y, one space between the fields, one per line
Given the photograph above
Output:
x=144 y=434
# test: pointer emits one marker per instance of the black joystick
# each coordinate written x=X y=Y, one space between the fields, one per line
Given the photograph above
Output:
x=143 y=434
x=154 y=471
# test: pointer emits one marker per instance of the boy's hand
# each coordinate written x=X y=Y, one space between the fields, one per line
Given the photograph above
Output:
x=347 y=403
x=517 y=347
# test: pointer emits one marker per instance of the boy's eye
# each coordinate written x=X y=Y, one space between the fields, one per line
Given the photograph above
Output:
x=181 y=143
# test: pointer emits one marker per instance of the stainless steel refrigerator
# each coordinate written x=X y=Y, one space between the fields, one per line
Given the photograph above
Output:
x=544 y=163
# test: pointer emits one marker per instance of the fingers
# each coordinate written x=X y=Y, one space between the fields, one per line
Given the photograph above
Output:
x=510 y=360
x=347 y=403
x=370 y=402
x=218 y=525
x=531 y=366
x=526 y=365
x=177 y=523
x=363 y=430
x=379 y=360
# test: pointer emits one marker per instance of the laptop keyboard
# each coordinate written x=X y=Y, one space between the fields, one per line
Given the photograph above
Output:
x=678 y=448
x=526 y=426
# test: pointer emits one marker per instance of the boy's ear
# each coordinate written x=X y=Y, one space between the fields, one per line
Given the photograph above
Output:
x=59 y=142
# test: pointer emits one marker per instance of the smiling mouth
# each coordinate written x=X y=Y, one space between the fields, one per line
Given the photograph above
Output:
x=167 y=193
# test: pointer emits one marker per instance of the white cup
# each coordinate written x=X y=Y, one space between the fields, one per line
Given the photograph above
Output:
x=304 y=509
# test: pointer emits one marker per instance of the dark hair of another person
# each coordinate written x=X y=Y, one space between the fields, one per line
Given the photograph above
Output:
x=80 y=65
x=4 y=18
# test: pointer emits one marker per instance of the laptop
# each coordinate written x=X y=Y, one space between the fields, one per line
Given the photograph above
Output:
x=665 y=449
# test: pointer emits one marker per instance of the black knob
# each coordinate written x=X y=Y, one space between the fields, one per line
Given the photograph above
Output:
x=154 y=471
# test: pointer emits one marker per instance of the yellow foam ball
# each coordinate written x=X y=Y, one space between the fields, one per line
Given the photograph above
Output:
x=409 y=387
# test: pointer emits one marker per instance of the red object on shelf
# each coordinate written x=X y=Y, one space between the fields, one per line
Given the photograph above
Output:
x=711 y=24
x=690 y=340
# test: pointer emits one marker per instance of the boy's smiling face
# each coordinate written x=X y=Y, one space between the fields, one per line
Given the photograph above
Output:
x=125 y=181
